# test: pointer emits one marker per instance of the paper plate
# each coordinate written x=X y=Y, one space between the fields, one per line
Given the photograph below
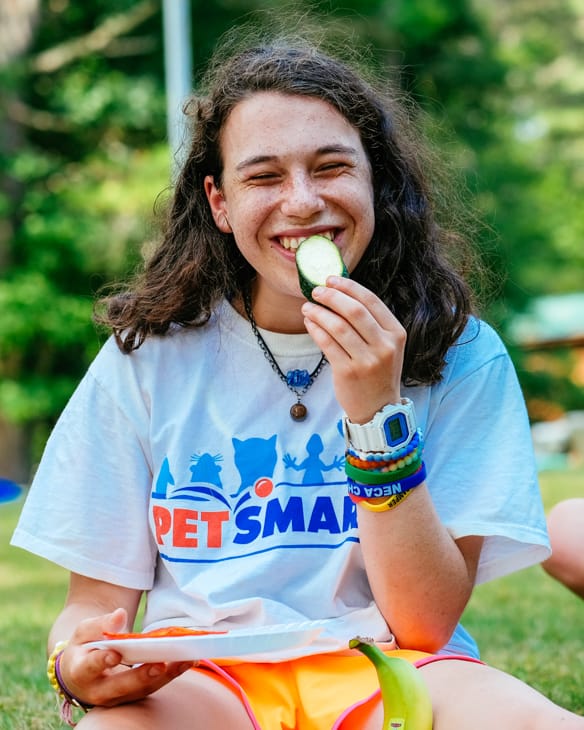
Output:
x=239 y=642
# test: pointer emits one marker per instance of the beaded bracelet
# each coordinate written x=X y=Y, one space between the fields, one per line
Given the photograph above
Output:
x=376 y=464
x=67 y=700
x=368 y=476
x=388 y=489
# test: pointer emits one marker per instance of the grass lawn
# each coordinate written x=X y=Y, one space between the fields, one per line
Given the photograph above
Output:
x=530 y=625
x=526 y=624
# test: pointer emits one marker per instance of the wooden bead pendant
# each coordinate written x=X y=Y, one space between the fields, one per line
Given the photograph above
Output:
x=297 y=381
x=298 y=411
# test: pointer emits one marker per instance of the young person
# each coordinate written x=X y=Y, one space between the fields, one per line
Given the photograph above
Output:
x=565 y=523
x=224 y=451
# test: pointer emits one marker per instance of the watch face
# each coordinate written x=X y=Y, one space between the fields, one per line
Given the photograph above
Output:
x=396 y=429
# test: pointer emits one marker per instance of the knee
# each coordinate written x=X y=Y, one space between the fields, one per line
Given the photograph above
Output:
x=566 y=531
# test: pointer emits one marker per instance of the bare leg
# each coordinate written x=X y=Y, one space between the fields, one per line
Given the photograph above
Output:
x=566 y=529
x=196 y=700
x=467 y=695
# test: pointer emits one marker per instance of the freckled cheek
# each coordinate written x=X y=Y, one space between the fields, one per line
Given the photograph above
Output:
x=254 y=212
x=247 y=223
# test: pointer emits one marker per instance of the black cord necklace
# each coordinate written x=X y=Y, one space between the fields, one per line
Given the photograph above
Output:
x=297 y=381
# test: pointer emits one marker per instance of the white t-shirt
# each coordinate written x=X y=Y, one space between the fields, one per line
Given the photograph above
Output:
x=178 y=470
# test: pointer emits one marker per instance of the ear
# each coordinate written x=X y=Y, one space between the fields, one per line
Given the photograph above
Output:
x=217 y=204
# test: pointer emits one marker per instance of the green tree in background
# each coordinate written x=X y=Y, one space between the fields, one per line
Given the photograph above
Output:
x=533 y=183
x=538 y=209
x=83 y=155
x=81 y=166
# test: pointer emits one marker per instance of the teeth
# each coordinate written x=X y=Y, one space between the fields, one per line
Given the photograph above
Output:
x=292 y=243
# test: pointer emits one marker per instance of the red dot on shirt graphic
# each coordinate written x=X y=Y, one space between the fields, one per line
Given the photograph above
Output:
x=263 y=487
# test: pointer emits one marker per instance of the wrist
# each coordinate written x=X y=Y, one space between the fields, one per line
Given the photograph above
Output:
x=361 y=417
x=384 y=497
x=67 y=700
x=392 y=427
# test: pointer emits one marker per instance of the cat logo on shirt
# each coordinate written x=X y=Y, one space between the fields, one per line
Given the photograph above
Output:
x=255 y=509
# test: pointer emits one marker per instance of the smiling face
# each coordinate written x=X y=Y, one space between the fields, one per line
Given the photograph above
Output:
x=293 y=166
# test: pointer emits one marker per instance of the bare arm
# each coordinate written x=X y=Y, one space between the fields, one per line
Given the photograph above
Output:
x=420 y=576
x=97 y=677
x=87 y=599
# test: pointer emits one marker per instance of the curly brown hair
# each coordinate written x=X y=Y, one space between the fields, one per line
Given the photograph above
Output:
x=408 y=263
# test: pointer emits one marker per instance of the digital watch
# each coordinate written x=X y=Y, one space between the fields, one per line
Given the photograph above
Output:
x=389 y=430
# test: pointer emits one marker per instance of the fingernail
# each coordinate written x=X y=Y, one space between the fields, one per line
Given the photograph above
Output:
x=155 y=670
x=317 y=291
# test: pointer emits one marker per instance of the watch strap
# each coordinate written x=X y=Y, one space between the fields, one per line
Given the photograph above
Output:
x=371 y=436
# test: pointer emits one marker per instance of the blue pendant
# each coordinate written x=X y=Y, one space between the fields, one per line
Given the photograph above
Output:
x=297 y=378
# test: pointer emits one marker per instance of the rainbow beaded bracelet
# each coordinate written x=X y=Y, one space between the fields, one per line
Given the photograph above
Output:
x=376 y=464
x=369 y=476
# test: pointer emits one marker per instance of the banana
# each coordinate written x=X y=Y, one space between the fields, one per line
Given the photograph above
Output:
x=406 y=700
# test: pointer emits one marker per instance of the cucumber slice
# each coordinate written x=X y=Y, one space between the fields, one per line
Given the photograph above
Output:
x=317 y=258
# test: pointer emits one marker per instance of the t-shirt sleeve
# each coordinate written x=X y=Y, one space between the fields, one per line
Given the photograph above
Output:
x=479 y=454
x=87 y=507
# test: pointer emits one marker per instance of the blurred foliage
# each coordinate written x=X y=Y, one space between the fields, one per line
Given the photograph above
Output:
x=83 y=154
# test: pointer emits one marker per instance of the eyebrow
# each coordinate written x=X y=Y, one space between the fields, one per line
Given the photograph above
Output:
x=327 y=150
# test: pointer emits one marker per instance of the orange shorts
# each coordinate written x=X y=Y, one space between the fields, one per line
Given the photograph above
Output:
x=321 y=692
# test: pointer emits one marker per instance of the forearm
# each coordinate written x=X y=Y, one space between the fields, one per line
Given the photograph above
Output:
x=420 y=578
x=65 y=625
x=99 y=678
x=69 y=619
x=87 y=599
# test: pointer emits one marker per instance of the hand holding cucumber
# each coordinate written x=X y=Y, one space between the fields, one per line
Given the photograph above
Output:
x=317 y=258
x=361 y=338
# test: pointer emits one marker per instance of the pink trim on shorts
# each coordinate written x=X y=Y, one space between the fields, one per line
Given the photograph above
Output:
x=420 y=663
x=207 y=664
